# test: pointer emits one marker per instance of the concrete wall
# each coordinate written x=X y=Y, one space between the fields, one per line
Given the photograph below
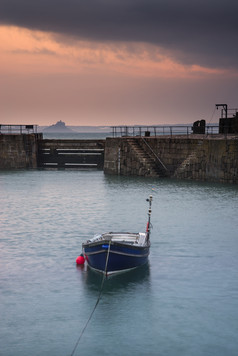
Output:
x=205 y=159
x=18 y=151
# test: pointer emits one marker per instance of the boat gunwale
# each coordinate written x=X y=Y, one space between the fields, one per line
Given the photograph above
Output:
x=127 y=238
x=135 y=246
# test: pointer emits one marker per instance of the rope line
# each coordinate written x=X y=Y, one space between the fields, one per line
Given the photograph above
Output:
x=212 y=115
x=96 y=304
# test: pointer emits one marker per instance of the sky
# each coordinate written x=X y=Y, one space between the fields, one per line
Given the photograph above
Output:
x=117 y=62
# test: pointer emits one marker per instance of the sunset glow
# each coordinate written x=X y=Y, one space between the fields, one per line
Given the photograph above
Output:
x=51 y=75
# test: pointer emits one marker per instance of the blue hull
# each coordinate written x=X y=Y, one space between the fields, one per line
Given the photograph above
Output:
x=120 y=257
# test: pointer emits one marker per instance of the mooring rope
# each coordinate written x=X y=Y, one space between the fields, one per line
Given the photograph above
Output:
x=212 y=115
x=96 y=304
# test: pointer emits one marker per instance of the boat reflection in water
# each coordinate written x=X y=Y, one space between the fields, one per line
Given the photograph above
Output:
x=122 y=281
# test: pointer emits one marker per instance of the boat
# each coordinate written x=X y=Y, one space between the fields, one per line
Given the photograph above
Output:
x=114 y=252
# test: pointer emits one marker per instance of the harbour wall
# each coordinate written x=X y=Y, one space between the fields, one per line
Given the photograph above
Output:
x=201 y=158
x=194 y=157
x=19 y=151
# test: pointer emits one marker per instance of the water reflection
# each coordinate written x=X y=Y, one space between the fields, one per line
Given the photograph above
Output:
x=114 y=283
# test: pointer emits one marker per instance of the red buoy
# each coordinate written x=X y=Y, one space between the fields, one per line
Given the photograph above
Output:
x=80 y=260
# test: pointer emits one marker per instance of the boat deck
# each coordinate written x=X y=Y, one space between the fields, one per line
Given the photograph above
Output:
x=121 y=237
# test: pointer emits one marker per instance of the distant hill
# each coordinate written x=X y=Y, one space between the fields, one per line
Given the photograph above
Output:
x=58 y=127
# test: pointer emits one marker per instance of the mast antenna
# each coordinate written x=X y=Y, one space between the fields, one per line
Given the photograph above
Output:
x=149 y=215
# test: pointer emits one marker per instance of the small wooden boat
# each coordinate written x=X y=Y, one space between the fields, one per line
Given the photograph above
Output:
x=114 y=252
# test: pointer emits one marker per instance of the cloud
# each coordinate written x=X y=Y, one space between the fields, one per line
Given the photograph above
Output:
x=194 y=32
x=39 y=52
x=35 y=51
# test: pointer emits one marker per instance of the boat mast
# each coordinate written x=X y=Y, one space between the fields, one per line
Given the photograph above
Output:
x=149 y=215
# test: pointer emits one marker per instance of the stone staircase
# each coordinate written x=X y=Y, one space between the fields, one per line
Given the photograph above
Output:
x=185 y=168
x=185 y=164
x=150 y=165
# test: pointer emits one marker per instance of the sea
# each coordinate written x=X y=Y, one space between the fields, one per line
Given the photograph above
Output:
x=184 y=302
x=77 y=135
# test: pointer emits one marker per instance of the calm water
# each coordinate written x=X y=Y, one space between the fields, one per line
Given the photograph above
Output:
x=76 y=135
x=184 y=303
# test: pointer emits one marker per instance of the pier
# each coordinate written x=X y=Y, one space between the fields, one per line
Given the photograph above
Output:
x=196 y=157
x=193 y=152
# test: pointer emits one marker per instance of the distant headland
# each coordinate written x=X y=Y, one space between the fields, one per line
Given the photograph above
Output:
x=58 y=127
x=61 y=127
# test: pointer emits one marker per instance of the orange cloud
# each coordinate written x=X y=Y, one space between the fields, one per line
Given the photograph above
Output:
x=46 y=77
x=25 y=51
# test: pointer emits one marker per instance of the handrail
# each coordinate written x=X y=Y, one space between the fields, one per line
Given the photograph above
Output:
x=232 y=112
x=169 y=130
x=156 y=156
x=17 y=129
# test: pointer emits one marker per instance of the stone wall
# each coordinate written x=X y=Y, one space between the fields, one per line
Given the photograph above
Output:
x=18 y=151
x=203 y=158
x=198 y=158
x=112 y=155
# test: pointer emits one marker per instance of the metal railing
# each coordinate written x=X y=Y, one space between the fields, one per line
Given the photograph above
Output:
x=228 y=113
x=155 y=155
x=120 y=131
x=18 y=129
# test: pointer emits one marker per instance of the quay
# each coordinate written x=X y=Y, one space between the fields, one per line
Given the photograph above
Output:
x=203 y=153
x=194 y=157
